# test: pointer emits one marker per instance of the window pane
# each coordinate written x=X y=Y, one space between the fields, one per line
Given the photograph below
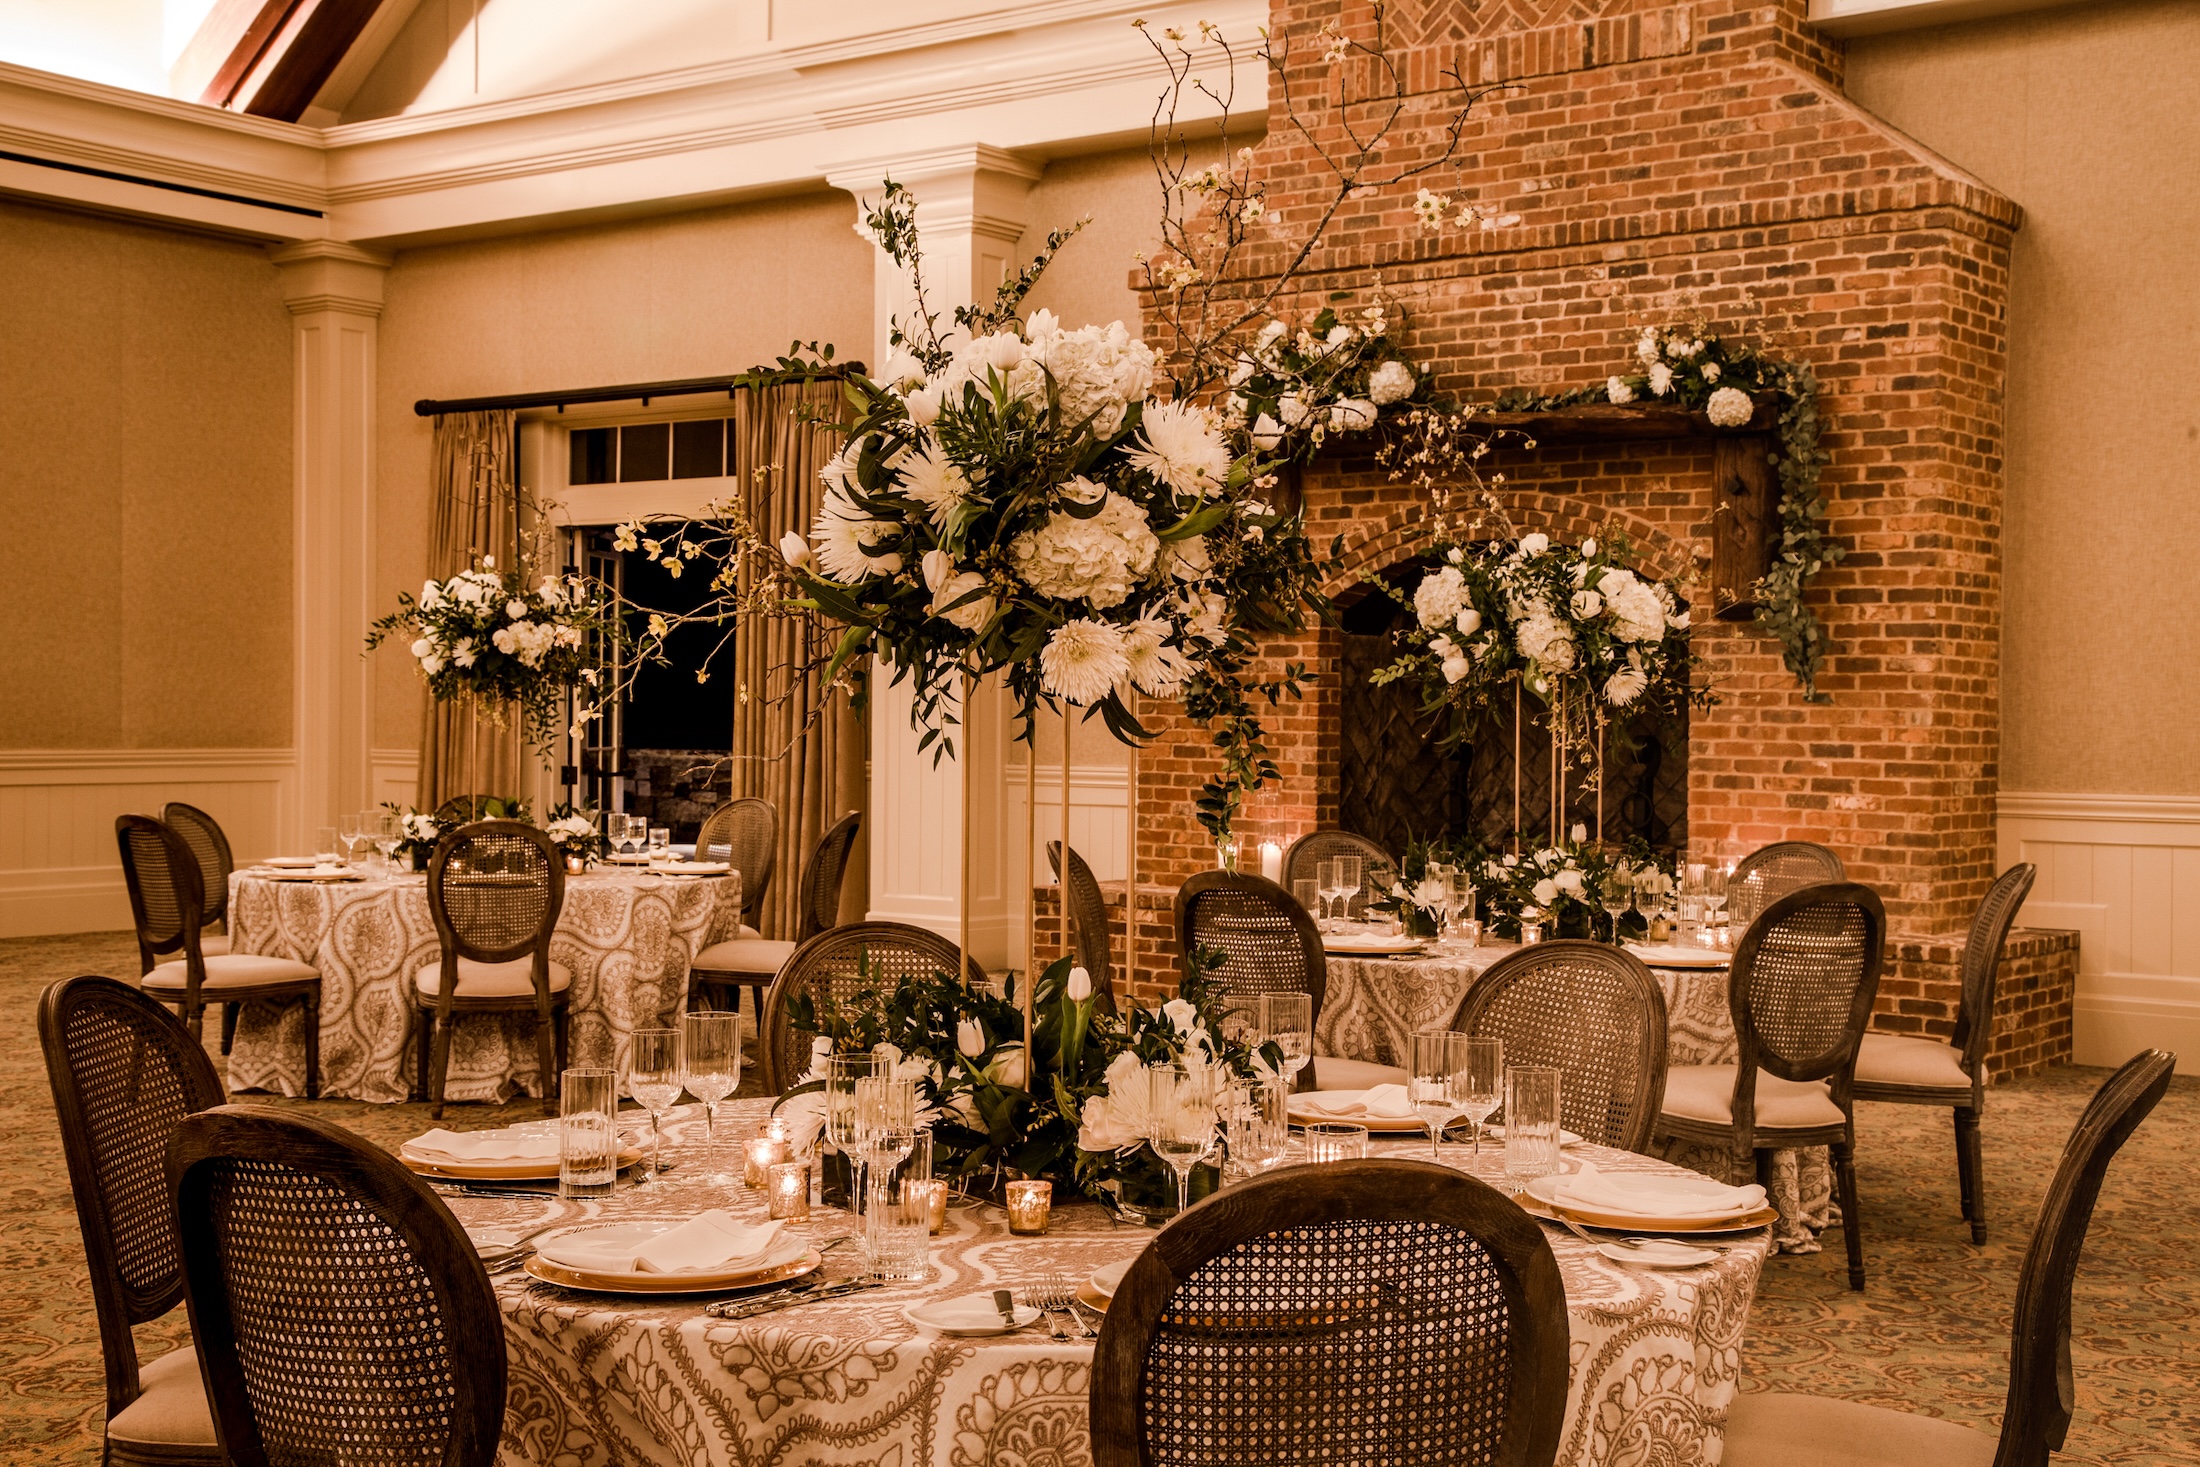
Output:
x=699 y=449
x=593 y=461
x=645 y=452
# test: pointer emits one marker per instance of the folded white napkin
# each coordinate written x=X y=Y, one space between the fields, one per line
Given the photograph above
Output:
x=1655 y=1194
x=1384 y=1102
x=711 y=1241
x=534 y=1142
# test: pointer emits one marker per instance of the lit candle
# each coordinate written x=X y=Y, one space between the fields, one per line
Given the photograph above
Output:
x=1028 y=1206
x=1531 y=932
x=790 y=1190
x=1271 y=861
x=574 y=865
x=764 y=1152
x=932 y=1193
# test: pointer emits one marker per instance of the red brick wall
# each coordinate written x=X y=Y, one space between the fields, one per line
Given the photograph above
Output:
x=1921 y=991
x=1670 y=162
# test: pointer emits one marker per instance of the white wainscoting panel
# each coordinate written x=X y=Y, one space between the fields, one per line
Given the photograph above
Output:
x=2124 y=870
x=58 y=868
x=1097 y=829
x=395 y=778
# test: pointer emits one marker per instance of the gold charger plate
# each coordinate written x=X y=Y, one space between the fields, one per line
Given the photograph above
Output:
x=1626 y=1222
x=501 y=1171
x=288 y=873
x=591 y=1282
x=1091 y=1297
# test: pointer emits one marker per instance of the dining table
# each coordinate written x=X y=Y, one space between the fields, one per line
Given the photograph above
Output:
x=599 y=1379
x=628 y=935
x=1374 y=1005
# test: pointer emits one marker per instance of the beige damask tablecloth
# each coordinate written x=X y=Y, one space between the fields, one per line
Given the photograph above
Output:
x=627 y=937
x=598 y=1380
x=1374 y=1006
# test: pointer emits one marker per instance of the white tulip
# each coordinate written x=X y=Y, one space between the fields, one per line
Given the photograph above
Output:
x=1470 y=621
x=516 y=610
x=794 y=549
x=924 y=403
x=969 y=1039
x=1080 y=985
x=1456 y=668
x=1580 y=833
x=1267 y=433
x=1534 y=544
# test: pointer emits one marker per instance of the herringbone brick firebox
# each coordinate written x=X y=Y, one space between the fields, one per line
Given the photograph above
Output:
x=1671 y=163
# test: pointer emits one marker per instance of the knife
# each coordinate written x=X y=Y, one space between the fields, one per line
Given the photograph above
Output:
x=772 y=1303
x=1006 y=1303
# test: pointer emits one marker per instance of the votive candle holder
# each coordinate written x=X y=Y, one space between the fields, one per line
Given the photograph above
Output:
x=932 y=1193
x=1336 y=1141
x=1030 y=1203
x=764 y=1153
x=575 y=865
x=790 y=1191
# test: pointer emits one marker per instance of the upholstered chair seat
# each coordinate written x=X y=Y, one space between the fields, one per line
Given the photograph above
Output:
x=1897 y=1059
x=171 y=1422
x=510 y=979
x=1706 y=1093
x=229 y=970
x=1776 y=1429
x=745 y=954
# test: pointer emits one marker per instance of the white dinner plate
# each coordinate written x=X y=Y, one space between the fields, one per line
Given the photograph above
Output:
x=1371 y=944
x=314 y=873
x=1107 y=1279
x=291 y=863
x=1302 y=1115
x=789 y=1257
x=1545 y=1189
x=1658 y=1255
x=1565 y=1137
x=694 y=868
x=1679 y=955
x=971 y=1315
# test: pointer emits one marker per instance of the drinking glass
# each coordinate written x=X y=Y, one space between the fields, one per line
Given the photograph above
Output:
x=348 y=836
x=1459 y=923
x=1325 y=876
x=1288 y=1019
x=1437 y=1059
x=1336 y=1141
x=325 y=848
x=1478 y=1083
x=713 y=1064
x=654 y=1077
x=886 y=1131
x=842 y=1072
x=1351 y=871
x=1715 y=894
x=1531 y=1124
x=1256 y=1122
x=385 y=838
x=588 y=1133
x=1306 y=891
x=1182 y=1105
x=660 y=844
x=897 y=1232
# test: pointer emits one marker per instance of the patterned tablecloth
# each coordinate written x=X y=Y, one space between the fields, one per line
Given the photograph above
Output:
x=597 y=1379
x=628 y=938
x=1374 y=1006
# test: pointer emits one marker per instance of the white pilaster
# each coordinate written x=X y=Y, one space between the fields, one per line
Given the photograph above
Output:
x=970 y=214
x=334 y=292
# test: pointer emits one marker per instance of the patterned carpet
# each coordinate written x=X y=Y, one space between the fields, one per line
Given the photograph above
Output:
x=1931 y=1334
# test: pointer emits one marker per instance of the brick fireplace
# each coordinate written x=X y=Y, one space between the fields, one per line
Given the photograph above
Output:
x=1671 y=162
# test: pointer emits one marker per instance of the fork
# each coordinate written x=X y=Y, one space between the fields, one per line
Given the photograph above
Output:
x=1056 y=1294
x=1036 y=1296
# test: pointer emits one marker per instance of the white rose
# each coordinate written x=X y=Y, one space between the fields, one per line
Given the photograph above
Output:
x=1587 y=604
x=515 y=609
x=1569 y=882
x=971 y=616
x=1267 y=433
x=1456 y=668
x=1391 y=382
x=1181 y=1015
x=1007 y=1069
x=1546 y=892
x=1534 y=544
x=794 y=549
x=1080 y=985
x=423 y=648
x=1468 y=621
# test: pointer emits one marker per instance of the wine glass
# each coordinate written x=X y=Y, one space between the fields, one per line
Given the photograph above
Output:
x=1438 y=1057
x=1325 y=875
x=886 y=1124
x=348 y=836
x=1349 y=874
x=654 y=1077
x=713 y=1063
x=1616 y=893
x=842 y=1072
x=1287 y=1020
x=1181 y=1102
x=1478 y=1083
x=1715 y=894
x=385 y=839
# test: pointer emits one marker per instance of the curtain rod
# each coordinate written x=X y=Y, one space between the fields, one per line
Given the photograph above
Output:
x=428 y=407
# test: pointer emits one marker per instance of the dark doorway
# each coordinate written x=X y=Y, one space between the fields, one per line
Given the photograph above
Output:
x=677 y=731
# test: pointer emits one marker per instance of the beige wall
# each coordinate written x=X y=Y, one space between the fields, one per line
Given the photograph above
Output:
x=2089 y=117
x=691 y=295
x=145 y=485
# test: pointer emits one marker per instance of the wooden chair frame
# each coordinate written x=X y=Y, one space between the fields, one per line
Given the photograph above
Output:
x=465 y=1300
x=754 y=884
x=1388 y=1190
x=826 y=868
x=783 y=1065
x=1086 y=911
x=1311 y=953
x=215 y=865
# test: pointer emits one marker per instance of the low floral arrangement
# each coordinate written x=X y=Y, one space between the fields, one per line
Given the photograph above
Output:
x=1292 y=391
x=1072 y=1109
x=417 y=834
x=576 y=831
x=487 y=634
x=1564 y=886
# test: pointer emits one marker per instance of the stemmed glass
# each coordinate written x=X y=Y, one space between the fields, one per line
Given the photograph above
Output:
x=385 y=839
x=1350 y=873
x=842 y=1074
x=1615 y=893
x=1460 y=909
x=1287 y=1020
x=348 y=836
x=1256 y=1122
x=1478 y=1083
x=1439 y=1055
x=1714 y=897
x=1325 y=878
x=654 y=1077
x=886 y=1127
x=713 y=1065
x=1182 y=1104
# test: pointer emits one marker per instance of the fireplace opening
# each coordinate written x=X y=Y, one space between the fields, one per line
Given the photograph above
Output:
x=1396 y=784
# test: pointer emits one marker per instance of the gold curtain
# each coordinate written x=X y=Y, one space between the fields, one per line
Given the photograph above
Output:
x=476 y=513
x=812 y=770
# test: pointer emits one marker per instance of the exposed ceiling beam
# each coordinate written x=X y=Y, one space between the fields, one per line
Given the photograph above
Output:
x=224 y=49
x=268 y=58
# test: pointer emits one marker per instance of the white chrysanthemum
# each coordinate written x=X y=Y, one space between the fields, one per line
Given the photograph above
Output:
x=1618 y=391
x=1440 y=597
x=1637 y=613
x=1097 y=560
x=841 y=533
x=1180 y=449
x=1730 y=407
x=934 y=481
x=1545 y=642
x=839 y=471
x=1661 y=379
x=1391 y=382
x=1625 y=686
x=1083 y=661
x=1158 y=669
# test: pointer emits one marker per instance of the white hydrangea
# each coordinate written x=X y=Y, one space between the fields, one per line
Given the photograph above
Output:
x=1098 y=371
x=1391 y=382
x=1545 y=641
x=1637 y=613
x=1188 y=559
x=1440 y=597
x=1097 y=560
x=1730 y=407
x=1618 y=391
x=1351 y=415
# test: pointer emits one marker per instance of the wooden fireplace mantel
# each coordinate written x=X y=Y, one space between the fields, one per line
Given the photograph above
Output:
x=1602 y=422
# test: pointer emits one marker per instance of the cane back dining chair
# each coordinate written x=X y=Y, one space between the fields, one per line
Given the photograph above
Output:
x=203 y=834
x=752 y=961
x=1303 y=858
x=744 y=834
x=342 y=1313
x=125 y=1072
x=1363 y=1312
x=1088 y=923
x=1593 y=1012
x=464 y=809
x=168 y=905
x=1268 y=945
x=1800 y=990
x=1770 y=872
x=1914 y=1070
x=495 y=889
x=1775 y=1429
x=842 y=962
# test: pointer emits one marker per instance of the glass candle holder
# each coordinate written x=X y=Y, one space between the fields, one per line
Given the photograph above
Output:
x=1530 y=932
x=764 y=1153
x=790 y=1191
x=1029 y=1205
x=931 y=1192
x=575 y=865
x=1336 y=1141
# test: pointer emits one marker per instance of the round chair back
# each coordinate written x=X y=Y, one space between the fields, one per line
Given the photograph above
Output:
x=745 y=835
x=203 y=834
x=495 y=889
x=850 y=959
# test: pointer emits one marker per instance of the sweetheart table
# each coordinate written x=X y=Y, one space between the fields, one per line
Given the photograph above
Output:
x=598 y=1380
x=1374 y=1006
x=627 y=936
